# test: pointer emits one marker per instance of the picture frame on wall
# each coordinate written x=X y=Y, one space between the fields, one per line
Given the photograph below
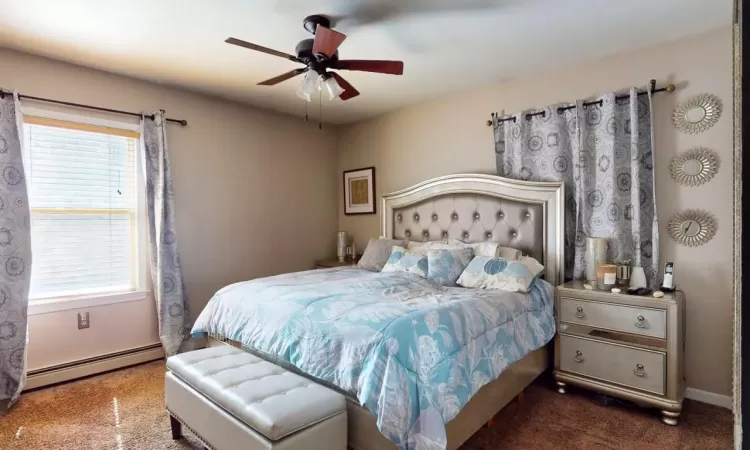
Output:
x=359 y=191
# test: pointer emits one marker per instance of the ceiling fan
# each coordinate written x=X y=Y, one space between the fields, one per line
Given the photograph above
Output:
x=319 y=55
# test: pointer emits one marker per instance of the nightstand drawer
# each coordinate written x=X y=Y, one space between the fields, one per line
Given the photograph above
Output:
x=644 y=321
x=640 y=369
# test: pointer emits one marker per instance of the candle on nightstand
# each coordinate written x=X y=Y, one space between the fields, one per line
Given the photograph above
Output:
x=606 y=276
x=341 y=247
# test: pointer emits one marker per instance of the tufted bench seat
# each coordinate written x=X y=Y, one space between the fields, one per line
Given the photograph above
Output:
x=231 y=399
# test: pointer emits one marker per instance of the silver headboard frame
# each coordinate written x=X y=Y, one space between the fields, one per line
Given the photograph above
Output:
x=528 y=215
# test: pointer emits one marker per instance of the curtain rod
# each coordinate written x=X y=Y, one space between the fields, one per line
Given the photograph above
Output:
x=95 y=108
x=668 y=88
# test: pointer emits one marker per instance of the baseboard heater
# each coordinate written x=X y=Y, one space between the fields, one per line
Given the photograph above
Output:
x=92 y=366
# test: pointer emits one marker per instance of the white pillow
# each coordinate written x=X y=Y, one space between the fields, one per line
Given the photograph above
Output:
x=510 y=253
x=490 y=248
x=534 y=266
x=484 y=248
x=413 y=245
x=423 y=247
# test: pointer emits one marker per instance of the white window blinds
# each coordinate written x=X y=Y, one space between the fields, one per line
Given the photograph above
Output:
x=82 y=193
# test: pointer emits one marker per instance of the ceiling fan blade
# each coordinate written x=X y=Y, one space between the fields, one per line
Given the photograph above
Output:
x=327 y=41
x=363 y=65
x=260 y=48
x=283 y=77
x=349 y=90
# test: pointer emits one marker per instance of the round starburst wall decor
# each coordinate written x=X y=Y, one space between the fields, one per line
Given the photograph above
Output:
x=694 y=167
x=692 y=227
x=697 y=114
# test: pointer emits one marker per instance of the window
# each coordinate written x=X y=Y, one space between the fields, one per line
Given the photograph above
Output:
x=82 y=182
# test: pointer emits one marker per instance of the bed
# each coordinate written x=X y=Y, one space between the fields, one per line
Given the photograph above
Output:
x=422 y=364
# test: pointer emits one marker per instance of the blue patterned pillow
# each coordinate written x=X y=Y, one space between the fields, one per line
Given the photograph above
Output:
x=485 y=272
x=445 y=266
x=402 y=260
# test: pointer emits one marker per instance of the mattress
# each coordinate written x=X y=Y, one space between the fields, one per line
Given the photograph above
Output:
x=410 y=351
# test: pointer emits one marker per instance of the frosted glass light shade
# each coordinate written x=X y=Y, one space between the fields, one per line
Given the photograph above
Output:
x=303 y=95
x=310 y=85
x=333 y=88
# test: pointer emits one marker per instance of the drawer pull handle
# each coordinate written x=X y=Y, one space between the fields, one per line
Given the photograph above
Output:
x=641 y=322
x=579 y=313
x=578 y=357
x=639 y=370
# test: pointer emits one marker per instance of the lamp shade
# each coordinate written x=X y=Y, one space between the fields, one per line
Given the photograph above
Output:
x=332 y=87
x=310 y=85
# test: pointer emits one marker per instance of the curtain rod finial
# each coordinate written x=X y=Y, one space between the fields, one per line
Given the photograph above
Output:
x=670 y=87
x=489 y=123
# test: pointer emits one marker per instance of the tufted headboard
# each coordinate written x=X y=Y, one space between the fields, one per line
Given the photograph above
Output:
x=525 y=215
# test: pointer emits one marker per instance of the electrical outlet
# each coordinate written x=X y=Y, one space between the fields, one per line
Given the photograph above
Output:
x=83 y=320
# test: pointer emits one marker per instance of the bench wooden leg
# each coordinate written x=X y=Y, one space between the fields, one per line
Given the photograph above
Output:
x=176 y=427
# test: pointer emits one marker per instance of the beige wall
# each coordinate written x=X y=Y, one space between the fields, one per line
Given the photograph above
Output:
x=255 y=195
x=449 y=135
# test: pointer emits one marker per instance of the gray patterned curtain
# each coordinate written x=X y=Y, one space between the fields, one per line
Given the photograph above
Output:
x=166 y=273
x=603 y=154
x=15 y=254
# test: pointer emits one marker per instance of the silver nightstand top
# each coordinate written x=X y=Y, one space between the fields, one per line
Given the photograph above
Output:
x=576 y=289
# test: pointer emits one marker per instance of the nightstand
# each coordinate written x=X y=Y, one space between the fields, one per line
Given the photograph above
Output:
x=626 y=346
x=333 y=262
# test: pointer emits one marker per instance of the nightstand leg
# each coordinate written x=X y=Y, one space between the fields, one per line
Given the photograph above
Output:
x=560 y=387
x=670 y=418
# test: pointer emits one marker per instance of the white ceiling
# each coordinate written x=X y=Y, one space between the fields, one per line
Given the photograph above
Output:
x=446 y=45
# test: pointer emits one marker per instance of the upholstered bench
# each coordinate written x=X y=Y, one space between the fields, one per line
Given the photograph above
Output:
x=233 y=400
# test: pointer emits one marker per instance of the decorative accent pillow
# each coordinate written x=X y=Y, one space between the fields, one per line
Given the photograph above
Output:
x=500 y=274
x=445 y=266
x=376 y=254
x=402 y=260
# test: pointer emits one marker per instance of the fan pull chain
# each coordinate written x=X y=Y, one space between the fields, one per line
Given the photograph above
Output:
x=320 y=103
x=306 y=111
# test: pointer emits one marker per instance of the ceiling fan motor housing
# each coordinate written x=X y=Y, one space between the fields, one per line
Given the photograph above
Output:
x=304 y=48
x=311 y=22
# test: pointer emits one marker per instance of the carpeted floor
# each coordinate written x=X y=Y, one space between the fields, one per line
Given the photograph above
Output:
x=125 y=410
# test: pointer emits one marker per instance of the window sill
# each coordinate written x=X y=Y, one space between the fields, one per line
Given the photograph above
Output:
x=50 y=305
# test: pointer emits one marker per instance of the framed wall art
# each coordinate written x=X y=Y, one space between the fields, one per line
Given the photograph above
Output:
x=359 y=191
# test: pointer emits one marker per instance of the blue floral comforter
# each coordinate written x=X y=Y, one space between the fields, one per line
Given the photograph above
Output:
x=411 y=351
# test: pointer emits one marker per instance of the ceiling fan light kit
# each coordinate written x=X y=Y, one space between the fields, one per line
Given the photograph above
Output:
x=312 y=83
x=320 y=55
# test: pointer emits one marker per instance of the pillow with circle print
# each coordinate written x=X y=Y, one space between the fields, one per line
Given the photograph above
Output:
x=485 y=272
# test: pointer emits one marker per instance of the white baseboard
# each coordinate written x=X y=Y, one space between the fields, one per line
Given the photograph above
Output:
x=92 y=366
x=724 y=401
